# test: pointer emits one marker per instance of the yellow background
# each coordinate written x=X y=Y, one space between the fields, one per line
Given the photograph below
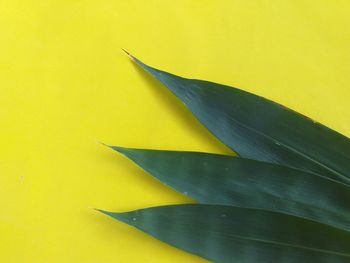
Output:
x=65 y=84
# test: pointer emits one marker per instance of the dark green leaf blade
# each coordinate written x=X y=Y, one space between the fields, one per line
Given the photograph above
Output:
x=260 y=129
x=220 y=179
x=233 y=234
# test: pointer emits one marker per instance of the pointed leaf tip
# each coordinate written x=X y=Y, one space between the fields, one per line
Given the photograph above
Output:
x=128 y=152
x=111 y=214
x=116 y=148
x=119 y=149
x=137 y=61
x=102 y=211
x=124 y=217
x=129 y=55
x=102 y=143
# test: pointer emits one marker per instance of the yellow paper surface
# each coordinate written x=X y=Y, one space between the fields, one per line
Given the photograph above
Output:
x=65 y=85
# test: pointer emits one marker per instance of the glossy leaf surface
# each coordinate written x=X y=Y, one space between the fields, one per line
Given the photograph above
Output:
x=261 y=129
x=233 y=234
x=220 y=179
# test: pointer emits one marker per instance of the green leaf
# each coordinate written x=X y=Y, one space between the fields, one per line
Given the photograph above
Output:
x=234 y=234
x=219 y=179
x=260 y=129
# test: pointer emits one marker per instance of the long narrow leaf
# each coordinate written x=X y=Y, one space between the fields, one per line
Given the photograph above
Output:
x=233 y=234
x=219 y=179
x=260 y=129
